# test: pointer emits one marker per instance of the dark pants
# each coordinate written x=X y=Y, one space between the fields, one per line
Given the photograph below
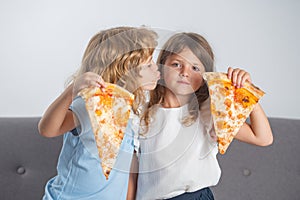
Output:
x=203 y=194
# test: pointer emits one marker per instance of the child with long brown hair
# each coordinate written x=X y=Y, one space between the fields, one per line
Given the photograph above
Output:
x=178 y=145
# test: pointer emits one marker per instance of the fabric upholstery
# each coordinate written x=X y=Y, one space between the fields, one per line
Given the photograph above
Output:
x=28 y=160
x=263 y=173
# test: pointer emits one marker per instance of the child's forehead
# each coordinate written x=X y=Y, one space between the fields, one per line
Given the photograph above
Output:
x=185 y=55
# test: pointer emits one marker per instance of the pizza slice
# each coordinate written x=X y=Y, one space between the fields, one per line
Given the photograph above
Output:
x=230 y=106
x=109 y=112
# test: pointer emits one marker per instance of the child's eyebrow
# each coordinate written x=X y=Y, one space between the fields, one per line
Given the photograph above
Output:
x=180 y=59
x=197 y=64
x=176 y=57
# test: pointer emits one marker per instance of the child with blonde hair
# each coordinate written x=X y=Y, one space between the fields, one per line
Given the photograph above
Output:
x=122 y=56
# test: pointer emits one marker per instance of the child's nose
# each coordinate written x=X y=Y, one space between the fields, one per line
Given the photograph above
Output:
x=184 y=71
x=155 y=67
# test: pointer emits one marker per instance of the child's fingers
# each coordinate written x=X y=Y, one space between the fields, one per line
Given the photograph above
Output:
x=100 y=82
x=245 y=77
x=89 y=79
x=96 y=80
x=234 y=76
x=242 y=77
x=229 y=72
x=238 y=76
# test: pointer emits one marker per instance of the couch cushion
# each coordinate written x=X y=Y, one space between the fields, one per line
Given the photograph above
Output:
x=263 y=173
x=28 y=160
x=249 y=172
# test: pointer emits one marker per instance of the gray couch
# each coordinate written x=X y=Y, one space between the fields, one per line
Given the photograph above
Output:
x=27 y=161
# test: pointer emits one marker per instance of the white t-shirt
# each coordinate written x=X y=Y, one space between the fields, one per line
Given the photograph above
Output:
x=174 y=158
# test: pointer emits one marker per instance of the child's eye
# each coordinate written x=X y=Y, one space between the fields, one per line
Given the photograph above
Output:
x=146 y=66
x=196 y=68
x=176 y=65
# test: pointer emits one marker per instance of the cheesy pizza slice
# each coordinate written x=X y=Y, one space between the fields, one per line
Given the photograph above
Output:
x=109 y=112
x=230 y=106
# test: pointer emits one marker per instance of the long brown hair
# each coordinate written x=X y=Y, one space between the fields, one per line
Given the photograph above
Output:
x=116 y=54
x=201 y=48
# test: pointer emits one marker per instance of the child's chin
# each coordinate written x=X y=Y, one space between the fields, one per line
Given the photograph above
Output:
x=150 y=86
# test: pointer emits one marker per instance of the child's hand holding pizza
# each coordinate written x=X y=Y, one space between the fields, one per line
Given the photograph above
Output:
x=238 y=76
x=88 y=79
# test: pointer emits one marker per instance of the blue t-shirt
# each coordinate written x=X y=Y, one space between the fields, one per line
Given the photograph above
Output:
x=79 y=171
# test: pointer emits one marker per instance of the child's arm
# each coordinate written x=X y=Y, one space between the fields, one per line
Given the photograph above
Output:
x=133 y=176
x=58 y=119
x=259 y=131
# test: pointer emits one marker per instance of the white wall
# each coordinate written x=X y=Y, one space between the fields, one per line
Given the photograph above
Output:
x=42 y=42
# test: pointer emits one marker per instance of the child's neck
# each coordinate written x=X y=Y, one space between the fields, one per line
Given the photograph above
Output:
x=174 y=101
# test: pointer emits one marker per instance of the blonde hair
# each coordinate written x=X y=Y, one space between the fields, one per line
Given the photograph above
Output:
x=116 y=54
x=201 y=48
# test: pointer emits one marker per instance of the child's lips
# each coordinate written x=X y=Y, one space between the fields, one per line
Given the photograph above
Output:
x=183 y=82
x=158 y=76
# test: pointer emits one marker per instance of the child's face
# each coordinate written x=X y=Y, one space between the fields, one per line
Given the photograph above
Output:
x=149 y=75
x=183 y=73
